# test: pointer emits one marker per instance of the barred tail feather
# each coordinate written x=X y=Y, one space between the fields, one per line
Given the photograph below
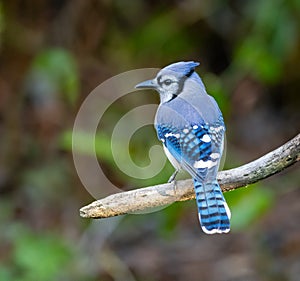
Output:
x=214 y=213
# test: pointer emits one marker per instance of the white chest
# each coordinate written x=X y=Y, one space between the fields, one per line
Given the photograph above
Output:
x=172 y=159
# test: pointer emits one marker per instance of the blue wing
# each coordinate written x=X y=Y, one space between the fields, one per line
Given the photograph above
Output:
x=198 y=149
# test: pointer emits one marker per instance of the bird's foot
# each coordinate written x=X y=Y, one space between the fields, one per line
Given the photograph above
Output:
x=172 y=180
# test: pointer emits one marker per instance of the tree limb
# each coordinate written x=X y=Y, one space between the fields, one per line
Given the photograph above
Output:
x=163 y=194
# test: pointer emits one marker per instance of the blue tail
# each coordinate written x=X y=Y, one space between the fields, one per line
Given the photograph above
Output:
x=214 y=214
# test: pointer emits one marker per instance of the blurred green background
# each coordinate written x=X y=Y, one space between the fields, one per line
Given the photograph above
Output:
x=53 y=53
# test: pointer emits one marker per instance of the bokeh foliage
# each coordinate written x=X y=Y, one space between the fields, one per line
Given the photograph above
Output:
x=53 y=53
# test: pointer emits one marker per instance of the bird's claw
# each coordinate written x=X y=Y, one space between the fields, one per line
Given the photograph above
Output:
x=172 y=180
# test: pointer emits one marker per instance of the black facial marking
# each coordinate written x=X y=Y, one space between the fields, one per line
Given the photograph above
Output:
x=159 y=82
x=166 y=82
x=173 y=97
x=190 y=72
x=180 y=88
x=180 y=83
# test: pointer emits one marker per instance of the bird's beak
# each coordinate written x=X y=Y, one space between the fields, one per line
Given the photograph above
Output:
x=149 y=84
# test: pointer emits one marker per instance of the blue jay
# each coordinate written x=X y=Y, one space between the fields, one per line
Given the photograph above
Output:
x=190 y=125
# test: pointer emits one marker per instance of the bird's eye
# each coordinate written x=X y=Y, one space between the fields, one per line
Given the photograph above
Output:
x=167 y=82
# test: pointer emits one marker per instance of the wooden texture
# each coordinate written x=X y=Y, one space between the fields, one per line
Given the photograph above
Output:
x=143 y=199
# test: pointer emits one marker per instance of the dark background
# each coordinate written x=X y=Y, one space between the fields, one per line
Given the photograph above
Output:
x=53 y=53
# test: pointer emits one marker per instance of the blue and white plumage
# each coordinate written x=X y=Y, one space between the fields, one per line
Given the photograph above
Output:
x=190 y=125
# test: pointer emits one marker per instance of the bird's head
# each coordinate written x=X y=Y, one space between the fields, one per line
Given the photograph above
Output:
x=169 y=81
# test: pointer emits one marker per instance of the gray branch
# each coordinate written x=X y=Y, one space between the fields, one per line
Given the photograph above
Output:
x=143 y=199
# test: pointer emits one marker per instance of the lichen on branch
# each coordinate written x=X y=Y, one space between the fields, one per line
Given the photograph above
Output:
x=163 y=194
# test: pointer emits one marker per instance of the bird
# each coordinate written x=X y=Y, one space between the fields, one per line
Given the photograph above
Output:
x=191 y=128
